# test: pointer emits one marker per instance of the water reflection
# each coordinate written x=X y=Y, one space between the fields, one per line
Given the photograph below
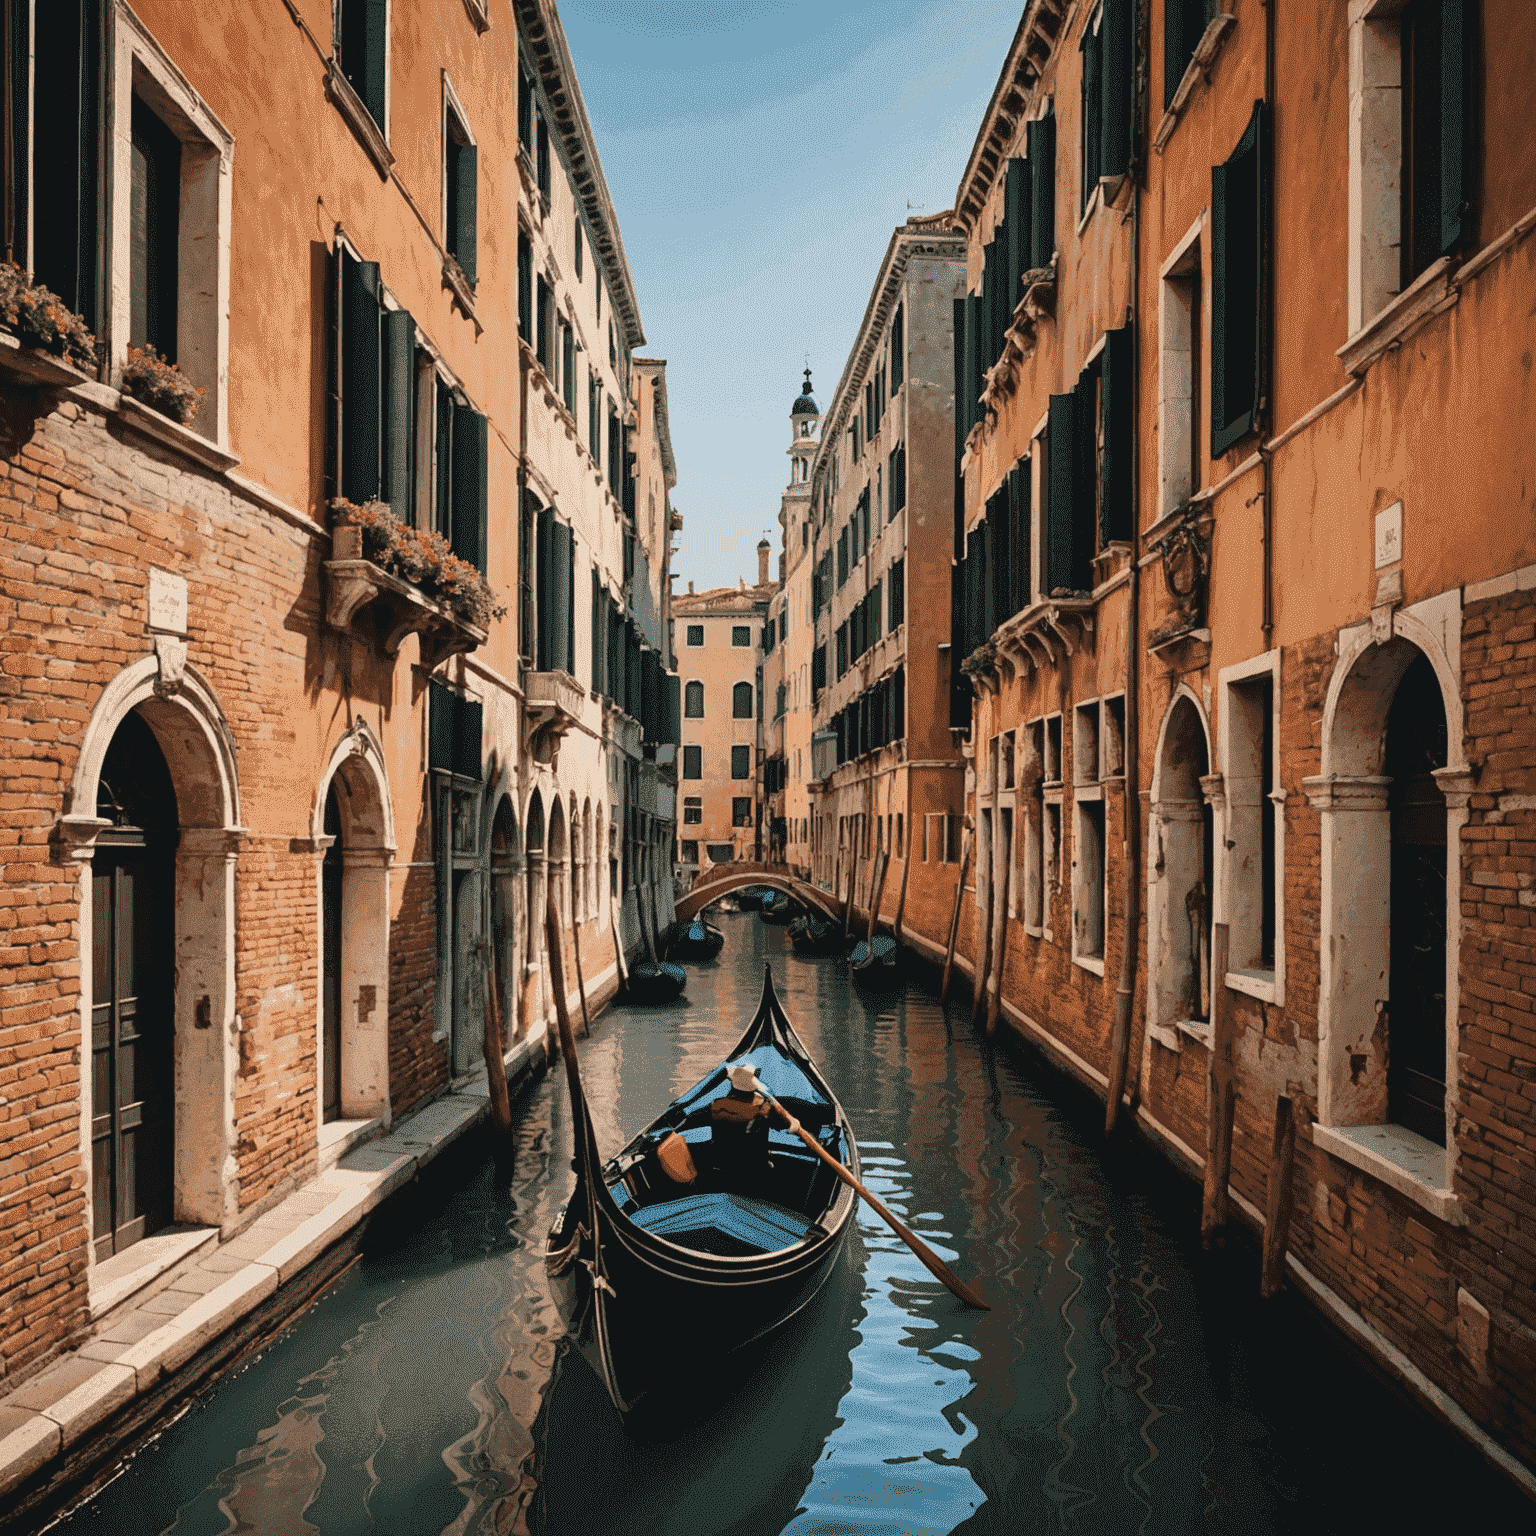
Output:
x=1121 y=1382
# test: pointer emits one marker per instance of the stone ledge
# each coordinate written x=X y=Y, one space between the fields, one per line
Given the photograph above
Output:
x=1411 y=1165
x=126 y=1274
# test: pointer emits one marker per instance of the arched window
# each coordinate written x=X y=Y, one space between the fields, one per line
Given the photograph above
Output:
x=741 y=701
x=693 y=701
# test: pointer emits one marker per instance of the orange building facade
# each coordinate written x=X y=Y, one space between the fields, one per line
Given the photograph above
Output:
x=1249 y=631
x=273 y=748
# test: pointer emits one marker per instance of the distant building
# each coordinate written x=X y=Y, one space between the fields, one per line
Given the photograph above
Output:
x=719 y=663
x=885 y=775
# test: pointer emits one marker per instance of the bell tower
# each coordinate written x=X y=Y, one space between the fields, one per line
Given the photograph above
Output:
x=804 y=417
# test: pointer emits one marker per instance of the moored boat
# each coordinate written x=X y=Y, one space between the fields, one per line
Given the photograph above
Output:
x=712 y=1227
x=777 y=908
x=696 y=940
x=656 y=981
x=873 y=963
x=812 y=935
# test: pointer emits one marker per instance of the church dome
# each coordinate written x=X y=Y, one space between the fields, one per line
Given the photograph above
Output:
x=805 y=405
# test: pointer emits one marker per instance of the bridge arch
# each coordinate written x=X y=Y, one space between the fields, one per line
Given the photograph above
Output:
x=723 y=879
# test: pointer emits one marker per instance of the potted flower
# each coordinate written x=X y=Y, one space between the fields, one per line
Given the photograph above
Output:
x=39 y=318
x=161 y=385
x=423 y=558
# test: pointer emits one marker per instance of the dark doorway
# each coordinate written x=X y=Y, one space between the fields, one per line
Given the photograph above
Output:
x=330 y=950
x=1416 y=746
x=132 y=969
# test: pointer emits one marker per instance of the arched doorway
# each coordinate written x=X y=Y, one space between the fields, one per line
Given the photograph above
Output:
x=506 y=914
x=559 y=902
x=1181 y=871
x=1415 y=748
x=132 y=1102
x=331 y=881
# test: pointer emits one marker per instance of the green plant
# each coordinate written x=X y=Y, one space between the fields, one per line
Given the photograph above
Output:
x=40 y=318
x=422 y=558
x=982 y=662
x=162 y=386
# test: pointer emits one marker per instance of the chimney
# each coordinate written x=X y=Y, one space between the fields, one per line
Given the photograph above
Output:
x=762 y=563
x=690 y=589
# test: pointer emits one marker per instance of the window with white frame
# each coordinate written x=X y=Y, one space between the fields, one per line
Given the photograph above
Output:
x=1031 y=782
x=1254 y=843
x=460 y=158
x=1181 y=393
x=1411 y=131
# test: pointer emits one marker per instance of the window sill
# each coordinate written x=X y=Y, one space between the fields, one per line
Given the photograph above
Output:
x=1263 y=985
x=1206 y=49
x=359 y=119
x=1093 y=963
x=171 y=434
x=353 y=584
x=1088 y=792
x=1424 y=297
x=479 y=14
x=1412 y=1165
x=33 y=368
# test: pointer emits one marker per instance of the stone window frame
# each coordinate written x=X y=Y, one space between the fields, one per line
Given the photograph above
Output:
x=1353 y=811
x=453 y=114
x=1090 y=883
x=141 y=67
x=1236 y=884
x=1182 y=382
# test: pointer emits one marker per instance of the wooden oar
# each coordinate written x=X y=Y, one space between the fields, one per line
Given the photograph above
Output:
x=934 y=1263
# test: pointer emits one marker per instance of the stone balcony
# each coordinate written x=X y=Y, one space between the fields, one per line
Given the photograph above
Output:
x=552 y=704
x=366 y=600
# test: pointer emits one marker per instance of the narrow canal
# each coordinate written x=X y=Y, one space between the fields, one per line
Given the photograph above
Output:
x=1122 y=1382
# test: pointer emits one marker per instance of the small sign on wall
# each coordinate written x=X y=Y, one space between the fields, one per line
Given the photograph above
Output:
x=167 y=602
x=1389 y=535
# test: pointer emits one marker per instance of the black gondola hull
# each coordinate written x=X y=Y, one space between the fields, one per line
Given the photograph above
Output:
x=646 y=1311
x=697 y=940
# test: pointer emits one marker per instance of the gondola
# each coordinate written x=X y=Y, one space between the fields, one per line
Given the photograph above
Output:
x=812 y=935
x=696 y=940
x=657 y=1274
x=777 y=908
x=751 y=897
x=656 y=981
x=873 y=963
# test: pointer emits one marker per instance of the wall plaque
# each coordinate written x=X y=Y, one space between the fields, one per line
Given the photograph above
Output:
x=167 y=601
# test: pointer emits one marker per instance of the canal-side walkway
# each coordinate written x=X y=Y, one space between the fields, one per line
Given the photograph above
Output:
x=141 y=1343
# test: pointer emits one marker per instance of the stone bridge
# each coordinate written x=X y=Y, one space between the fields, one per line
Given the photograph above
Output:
x=721 y=879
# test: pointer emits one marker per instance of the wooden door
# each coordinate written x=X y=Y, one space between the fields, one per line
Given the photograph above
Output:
x=131 y=1039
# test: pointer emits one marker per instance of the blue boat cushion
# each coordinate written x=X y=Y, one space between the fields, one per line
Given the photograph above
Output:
x=723 y=1223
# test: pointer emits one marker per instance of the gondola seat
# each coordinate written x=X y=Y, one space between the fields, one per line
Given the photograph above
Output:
x=724 y=1224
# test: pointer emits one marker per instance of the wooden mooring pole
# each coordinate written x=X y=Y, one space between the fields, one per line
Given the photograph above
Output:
x=581 y=982
x=493 y=1043
x=874 y=900
x=954 y=921
x=848 y=905
x=1277 y=1219
x=1221 y=1098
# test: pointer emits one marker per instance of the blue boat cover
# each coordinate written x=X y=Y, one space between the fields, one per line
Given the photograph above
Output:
x=756 y=1224
x=779 y=1075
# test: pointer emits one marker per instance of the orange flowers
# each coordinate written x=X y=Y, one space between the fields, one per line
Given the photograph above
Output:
x=40 y=318
x=161 y=385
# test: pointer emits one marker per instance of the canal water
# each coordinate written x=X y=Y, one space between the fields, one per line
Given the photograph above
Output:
x=1122 y=1381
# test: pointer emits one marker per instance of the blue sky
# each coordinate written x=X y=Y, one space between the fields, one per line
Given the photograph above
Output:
x=759 y=153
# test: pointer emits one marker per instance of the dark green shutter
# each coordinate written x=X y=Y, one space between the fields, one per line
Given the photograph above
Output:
x=650 y=694
x=454 y=730
x=559 y=596
x=1085 y=474
x=1092 y=111
x=375 y=60
x=399 y=410
x=360 y=403
x=470 y=485
x=465 y=235
x=1183 y=26
x=1060 y=464
x=991 y=334
x=672 y=696
x=632 y=670
x=972 y=360
x=468 y=725
x=1456 y=52
x=524 y=288
x=543 y=537
x=1018 y=513
x=898 y=348
x=1016 y=216
x=1117 y=87
x=599 y=639
x=1239 y=221
x=1041 y=136
x=1118 y=396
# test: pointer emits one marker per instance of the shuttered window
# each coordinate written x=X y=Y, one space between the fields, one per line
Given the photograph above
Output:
x=543 y=322
x=1183 y=26
x=898 y=480
x=358 y=358
x=1239 y=236
x=399 y=416
x=1091 y=49
x=463 y=523
x=897 y=600
x=1040 y=137
x=459 y=181
x=693 y=701
x=525 y=112
x=1117 y=394
x=556 y=581
x=599 y=633
x=1061 y=573
x=693 y=762
x=524 y=288
x=568 y=367
x=1016 y=216
x=741 y=762
x=672 y=694
x=1436 y=53
x=543 y=155
x=898 y=347
x=362 y=52
x=1117 y=87
x=453 y=731
x=741 y=701
x=154 y=209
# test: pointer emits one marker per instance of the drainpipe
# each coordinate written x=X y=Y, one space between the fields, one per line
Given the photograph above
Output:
x=1265 y=408
x=1130 y=847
